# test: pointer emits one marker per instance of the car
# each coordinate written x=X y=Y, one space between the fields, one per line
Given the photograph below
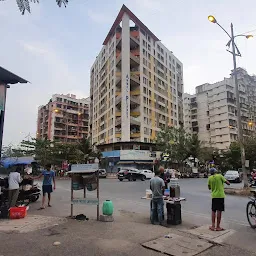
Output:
x=102 y=173
x=233 y=176
x=131 y=174
x=148 y=173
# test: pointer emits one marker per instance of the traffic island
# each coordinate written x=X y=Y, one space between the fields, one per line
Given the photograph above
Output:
x=238 y=191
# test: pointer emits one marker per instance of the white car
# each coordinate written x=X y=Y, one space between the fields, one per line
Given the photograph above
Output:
x=148 y=174
x=233 y=176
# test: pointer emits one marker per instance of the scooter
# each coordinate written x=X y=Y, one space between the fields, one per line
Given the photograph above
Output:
x=25 y=197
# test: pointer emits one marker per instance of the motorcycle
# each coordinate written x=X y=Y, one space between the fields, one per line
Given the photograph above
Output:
x=29 y=192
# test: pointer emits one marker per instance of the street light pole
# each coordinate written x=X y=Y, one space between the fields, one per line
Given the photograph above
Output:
x=239 y=120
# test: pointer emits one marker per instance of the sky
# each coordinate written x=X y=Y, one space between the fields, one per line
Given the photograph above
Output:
x=54 y=47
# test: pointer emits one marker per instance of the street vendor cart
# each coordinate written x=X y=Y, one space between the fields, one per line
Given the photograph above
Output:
x=84 y=177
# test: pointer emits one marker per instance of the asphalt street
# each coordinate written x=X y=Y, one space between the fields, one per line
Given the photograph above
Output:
x=127 y=196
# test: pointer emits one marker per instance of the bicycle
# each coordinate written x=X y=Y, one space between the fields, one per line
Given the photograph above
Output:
x=251 y=210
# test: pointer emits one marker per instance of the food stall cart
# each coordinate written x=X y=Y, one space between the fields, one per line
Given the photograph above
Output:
x=84 y=177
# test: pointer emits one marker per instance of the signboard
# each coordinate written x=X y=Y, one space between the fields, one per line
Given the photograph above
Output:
x=127 y=87
x=84 y=168
x=138 y=155
x=247 y=163
x=90 y=201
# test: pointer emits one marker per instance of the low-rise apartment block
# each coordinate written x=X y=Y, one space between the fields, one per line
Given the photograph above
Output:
x=64 y=118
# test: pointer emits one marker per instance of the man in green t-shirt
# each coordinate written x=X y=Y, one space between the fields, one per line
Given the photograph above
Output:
x=216 y=185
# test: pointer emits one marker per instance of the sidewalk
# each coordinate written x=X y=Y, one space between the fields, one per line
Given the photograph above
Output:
x=127 y=235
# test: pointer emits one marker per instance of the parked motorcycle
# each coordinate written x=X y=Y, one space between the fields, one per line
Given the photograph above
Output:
x=29 y=192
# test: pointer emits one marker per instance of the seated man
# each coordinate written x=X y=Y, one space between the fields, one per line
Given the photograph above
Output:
x=157 y=186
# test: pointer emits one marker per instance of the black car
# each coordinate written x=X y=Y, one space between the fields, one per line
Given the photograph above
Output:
x=130 y=174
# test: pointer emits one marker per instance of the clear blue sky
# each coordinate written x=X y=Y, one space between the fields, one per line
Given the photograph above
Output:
x=54 y=48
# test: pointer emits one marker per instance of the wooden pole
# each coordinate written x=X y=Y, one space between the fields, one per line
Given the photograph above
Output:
x=72 y=196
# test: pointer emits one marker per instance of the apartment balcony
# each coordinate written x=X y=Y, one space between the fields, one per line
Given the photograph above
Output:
x=134 y=58
x=72 y=124
x=135 y=113
x=134 y=100
x=135 y=92
x=231 y=100
x=118 y=81
x=194 y=124
x=59 y=128
x=193 y=105
x=134 y=120
x=133 y=40
x=118 y=121
x=72 y=111
x=135 y=78
x=135 y=135
x=118 y=135
x=118 y=99
x=244 y=105
x=118 y=58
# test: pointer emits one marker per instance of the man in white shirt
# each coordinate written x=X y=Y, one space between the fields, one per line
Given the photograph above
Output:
x=14 y=185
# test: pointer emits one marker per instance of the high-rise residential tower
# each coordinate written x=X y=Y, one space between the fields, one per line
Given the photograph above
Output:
x=136 y=85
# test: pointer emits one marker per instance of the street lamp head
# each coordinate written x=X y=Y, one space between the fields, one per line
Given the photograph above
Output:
x=212 y=19
x=249 y=36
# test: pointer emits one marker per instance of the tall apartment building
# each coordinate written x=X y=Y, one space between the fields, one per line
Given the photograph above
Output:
x=136 y=85
x=64 y=118
x=212 y=111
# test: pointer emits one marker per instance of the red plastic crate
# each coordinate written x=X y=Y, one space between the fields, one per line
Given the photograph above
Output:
x=18 y=212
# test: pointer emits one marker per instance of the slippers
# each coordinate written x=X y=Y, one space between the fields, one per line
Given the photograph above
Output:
x=220 y=229
x=41 y=208
x=212 y=228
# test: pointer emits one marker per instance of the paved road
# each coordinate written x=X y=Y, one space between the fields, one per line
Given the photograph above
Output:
x=127 y=196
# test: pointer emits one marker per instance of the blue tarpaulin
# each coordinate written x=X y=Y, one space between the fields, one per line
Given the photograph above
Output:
x=11 y=161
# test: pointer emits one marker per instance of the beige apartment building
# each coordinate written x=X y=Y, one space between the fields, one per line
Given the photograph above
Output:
x=136 y=85
x=64 y=118
x=212 y=112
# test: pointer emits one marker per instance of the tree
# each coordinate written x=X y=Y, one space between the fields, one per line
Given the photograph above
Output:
x=175 y=143
x=194 y=146
x=41 y=148
x=86 y=149
x=24 y=5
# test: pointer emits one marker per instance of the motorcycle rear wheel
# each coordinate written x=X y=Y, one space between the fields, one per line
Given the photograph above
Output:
x=251 y=214
x=34 y=199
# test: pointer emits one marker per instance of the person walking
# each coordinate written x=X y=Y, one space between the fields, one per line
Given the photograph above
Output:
x=48 y=179
x=14 y=181
x=157 y=203
x=216 y=185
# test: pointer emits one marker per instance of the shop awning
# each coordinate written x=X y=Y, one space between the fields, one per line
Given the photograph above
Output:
x=8 y=77
x=135 y=162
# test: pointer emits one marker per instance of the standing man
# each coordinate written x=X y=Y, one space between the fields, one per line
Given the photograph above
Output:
x=49 y=178
x=14 y=181
x=157 y=203
x=216 y=185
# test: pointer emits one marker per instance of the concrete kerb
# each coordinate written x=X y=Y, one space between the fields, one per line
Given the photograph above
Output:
x=238 y=191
